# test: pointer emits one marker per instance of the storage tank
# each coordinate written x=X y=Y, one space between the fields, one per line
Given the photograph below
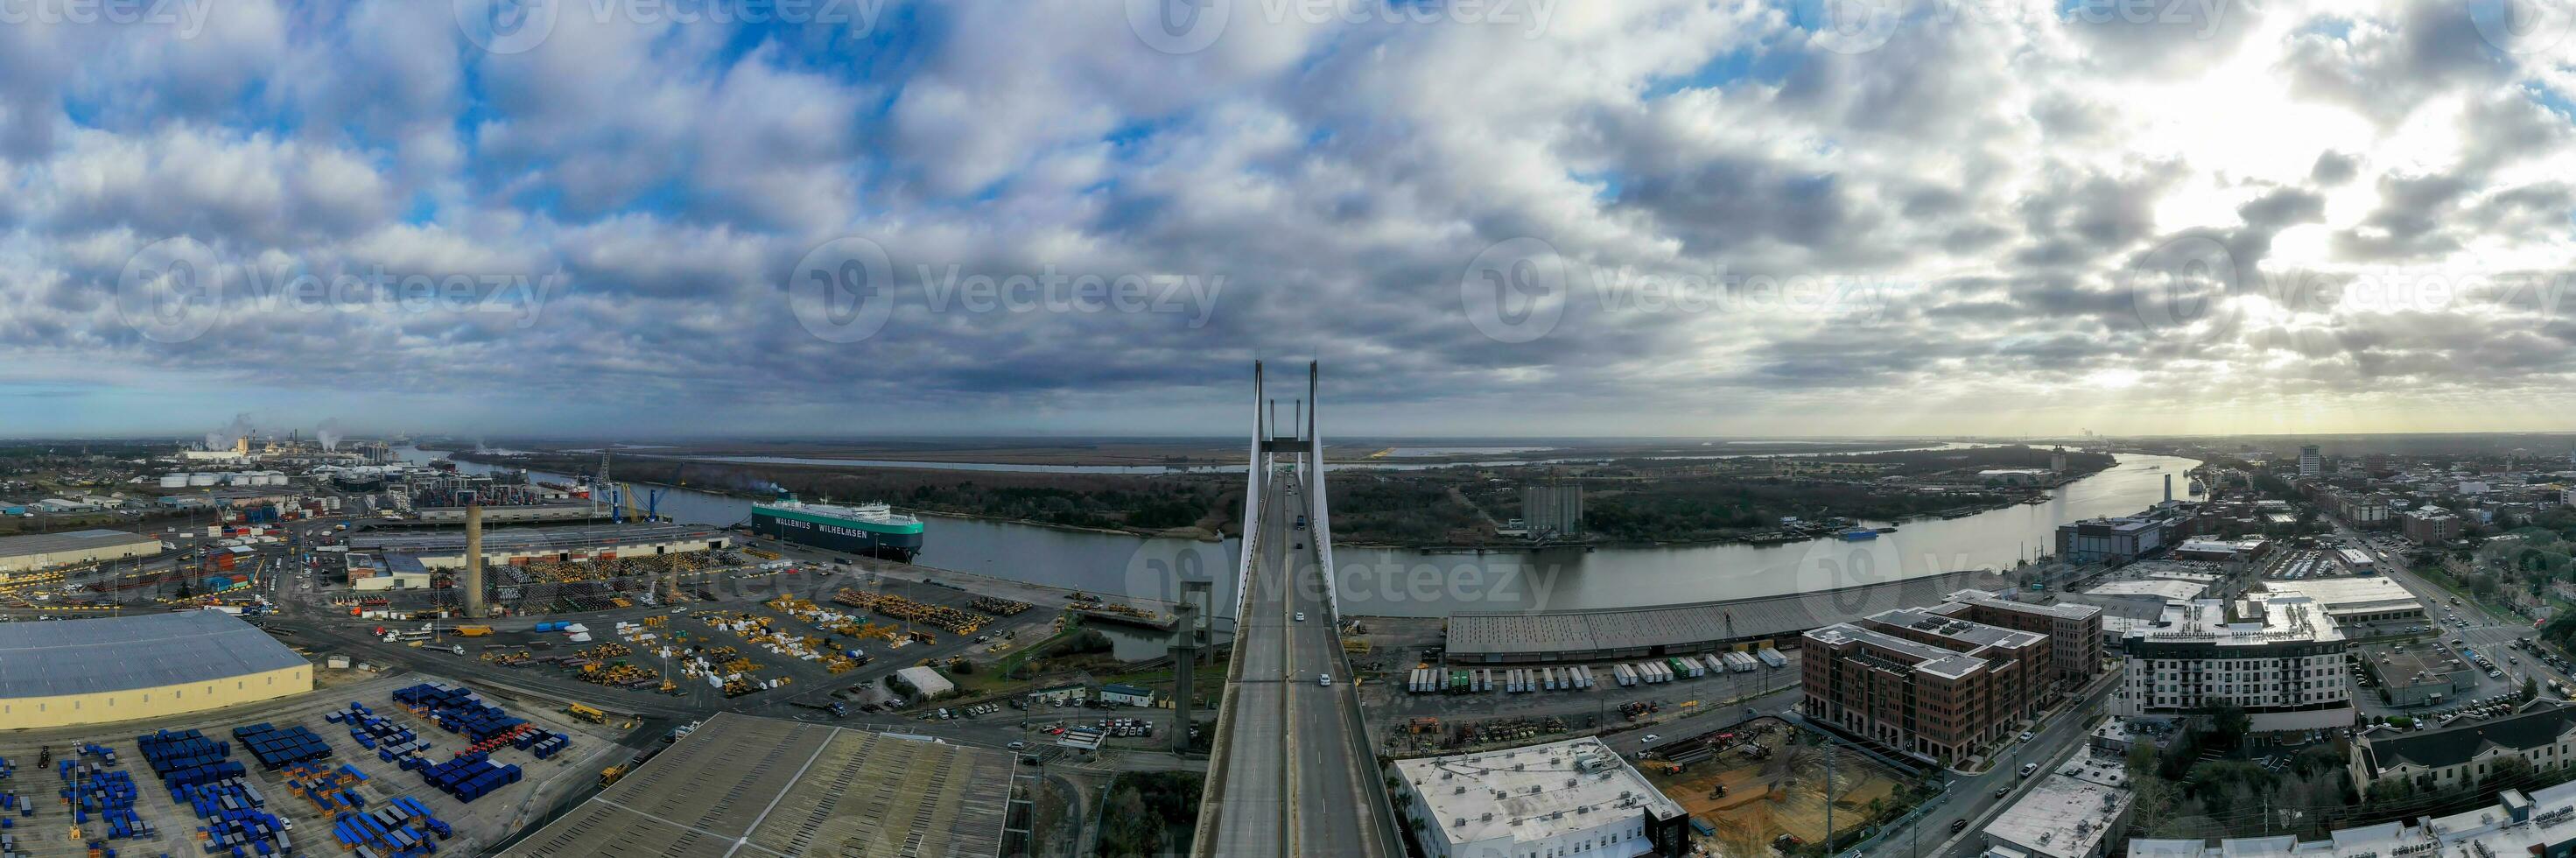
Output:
x=174 y=481
x=201 y=480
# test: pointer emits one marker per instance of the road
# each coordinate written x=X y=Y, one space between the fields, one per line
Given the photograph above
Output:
x=1974 y=798
x=1298 y=778
x=2488 y=633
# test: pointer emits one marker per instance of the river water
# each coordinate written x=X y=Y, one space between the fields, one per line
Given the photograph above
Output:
x=1403 y=582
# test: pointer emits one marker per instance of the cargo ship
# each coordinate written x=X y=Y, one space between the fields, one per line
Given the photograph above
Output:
x=871 y=529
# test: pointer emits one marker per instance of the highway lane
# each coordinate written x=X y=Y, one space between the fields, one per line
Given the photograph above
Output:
x=1336 y=809
x=1252 y=812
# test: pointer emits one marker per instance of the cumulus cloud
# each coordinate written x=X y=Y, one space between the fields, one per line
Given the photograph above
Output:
x=1718 y=219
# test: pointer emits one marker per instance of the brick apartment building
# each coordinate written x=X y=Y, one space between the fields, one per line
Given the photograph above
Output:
x=2074 y=631
x=1935 y=686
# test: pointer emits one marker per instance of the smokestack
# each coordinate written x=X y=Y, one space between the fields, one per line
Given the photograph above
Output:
x=2168 y=488
x=474 y=559
x=1185 y=661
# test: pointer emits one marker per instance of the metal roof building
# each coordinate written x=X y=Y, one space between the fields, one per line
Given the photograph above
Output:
x=43 y=550
x=93 y=671
x=1500 y=638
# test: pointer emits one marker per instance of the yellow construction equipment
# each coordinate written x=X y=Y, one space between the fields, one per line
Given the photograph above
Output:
x=611 y=774
x=473 y=631
x=586 y=713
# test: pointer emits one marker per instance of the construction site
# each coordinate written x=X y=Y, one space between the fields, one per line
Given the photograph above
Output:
x=1767 y=779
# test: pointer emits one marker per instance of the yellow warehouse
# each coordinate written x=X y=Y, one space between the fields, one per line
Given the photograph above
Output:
x=72 y=672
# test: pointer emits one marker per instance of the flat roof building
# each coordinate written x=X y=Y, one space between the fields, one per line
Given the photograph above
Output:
x=2078 y=811
x=144 y=666
x=2074 y=630
x=2281 y=658
x=2360 y=604
x=47 y=550
x=1575 y=797
x=1932 y=686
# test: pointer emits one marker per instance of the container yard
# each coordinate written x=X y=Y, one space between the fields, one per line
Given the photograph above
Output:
x=322 y=773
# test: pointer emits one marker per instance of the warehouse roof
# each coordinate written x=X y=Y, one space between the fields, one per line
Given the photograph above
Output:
x=69 y=540
x=534 y=539
x=147 y=651
x=746 y=786
x=1475 y=635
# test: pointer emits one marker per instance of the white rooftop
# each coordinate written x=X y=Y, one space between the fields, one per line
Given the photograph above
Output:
x=2068 y=813
x=2283 y=619
x=2344 y=593
x=1531 y=793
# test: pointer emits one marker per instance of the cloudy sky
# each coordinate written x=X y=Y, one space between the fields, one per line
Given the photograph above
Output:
x=1829 y=217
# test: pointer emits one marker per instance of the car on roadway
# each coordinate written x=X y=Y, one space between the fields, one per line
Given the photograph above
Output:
x=1958 y=825
x=2002 y=791
x=1016 y=745
x=1650 y=738
x=2025 y=735
x=1324 y=679
x=1301 y=616
x=2027 y=768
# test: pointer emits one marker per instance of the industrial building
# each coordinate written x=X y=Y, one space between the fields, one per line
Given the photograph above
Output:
x=370 y=573
x=148 y=666
x=2078 y=811
x=446 y=550
x=2543 y=733
x=1574 y=797
x=1553 y=510
x=2280 y=657
x=1544 y=637
x=2363 y=606
x=48 y=550
x=1924 y=684
x=741 y=785
x=2109 y=540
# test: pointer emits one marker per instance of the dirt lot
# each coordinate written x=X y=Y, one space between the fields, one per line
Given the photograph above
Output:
x=1781 y=791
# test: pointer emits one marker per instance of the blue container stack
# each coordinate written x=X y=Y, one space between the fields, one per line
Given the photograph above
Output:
x=551 y=627
x=392 y=742
x=102 y=794
x=277 y=749
x=400 y=829
x=470 y=776
x=188 y=759
x=12 y=802
x=541 y=743
x=457 y=710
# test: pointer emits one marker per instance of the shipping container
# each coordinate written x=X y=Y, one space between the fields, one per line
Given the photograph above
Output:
x=1773 y=657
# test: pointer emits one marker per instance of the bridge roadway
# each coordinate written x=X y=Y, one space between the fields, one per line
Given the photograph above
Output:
x=1297 y=778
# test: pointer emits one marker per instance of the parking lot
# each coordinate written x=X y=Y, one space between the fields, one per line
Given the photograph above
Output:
x=48 y=833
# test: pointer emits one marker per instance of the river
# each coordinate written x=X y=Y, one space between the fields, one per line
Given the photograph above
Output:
x=1402 y=582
